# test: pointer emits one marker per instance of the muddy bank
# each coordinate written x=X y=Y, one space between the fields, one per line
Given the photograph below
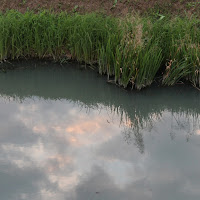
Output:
x=110 y=7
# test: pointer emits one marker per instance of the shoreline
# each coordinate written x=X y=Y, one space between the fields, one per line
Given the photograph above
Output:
x=133 y=50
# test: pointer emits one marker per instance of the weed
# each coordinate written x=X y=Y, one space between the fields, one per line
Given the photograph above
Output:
x=132 y=50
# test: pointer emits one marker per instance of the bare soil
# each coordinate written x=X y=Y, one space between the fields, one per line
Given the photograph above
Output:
x=109 y=7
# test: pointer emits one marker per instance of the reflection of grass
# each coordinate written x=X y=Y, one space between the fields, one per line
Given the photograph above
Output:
x=132 y=50
x=139 y=111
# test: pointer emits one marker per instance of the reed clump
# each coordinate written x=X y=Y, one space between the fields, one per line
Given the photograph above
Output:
x=133 y=51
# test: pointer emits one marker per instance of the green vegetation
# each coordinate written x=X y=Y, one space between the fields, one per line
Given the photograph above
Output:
x=133 y=51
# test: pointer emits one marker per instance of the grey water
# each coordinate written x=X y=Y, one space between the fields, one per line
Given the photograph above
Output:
x=66 y=134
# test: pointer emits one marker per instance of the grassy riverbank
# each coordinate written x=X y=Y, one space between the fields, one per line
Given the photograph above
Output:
x=133 y=51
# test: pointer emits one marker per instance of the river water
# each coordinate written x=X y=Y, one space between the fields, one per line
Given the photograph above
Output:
x=66 y=134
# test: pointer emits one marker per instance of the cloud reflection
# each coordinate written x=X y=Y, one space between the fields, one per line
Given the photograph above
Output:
x=76 y=153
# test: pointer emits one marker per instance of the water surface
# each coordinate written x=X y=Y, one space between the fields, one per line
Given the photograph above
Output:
x=65 y=134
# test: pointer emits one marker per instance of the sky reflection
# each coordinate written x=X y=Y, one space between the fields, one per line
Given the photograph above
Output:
x=61 y=150
x=75 y=148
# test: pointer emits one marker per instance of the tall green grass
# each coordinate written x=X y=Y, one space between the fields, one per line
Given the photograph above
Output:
x=132 y=51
